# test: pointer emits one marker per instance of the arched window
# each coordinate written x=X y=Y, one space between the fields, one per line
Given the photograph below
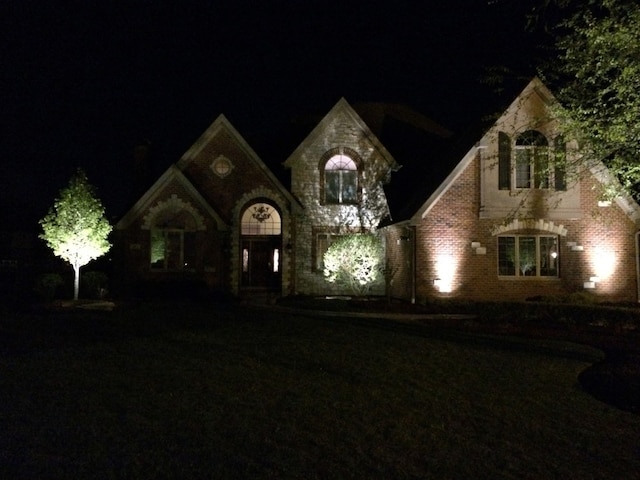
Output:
x=532 y=169
x=340 y=180
x=260 y=219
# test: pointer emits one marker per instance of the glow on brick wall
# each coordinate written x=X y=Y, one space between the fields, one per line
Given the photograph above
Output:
x=604 y=263
x=445 y=266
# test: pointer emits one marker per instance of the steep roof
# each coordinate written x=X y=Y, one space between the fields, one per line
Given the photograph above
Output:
x=342 y=107
x=462 y=151
x=222 y=124
x=170 y=175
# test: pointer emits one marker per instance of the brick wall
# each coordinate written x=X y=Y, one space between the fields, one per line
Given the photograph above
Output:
x=400 y=244
x=445 y=236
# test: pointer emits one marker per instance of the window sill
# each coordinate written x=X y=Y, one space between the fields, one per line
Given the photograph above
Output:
x=525 y=279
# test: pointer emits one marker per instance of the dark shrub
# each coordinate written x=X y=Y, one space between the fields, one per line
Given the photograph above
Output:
x=47 y=284
x=93 y=284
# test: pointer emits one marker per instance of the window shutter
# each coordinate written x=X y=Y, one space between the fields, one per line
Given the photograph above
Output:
x=504 y=161
x=560 y=164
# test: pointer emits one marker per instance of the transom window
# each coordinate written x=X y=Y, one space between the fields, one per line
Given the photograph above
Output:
x=341 y=180
x=528 y=256
x=261 y=219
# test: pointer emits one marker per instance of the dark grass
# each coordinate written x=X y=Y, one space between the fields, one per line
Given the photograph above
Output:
x=222 y=391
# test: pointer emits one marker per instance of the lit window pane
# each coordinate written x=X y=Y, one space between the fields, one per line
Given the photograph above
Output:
x=340 y=180
x=245 y=260
x=340 y=162
x=157 y=249
x=261 y=219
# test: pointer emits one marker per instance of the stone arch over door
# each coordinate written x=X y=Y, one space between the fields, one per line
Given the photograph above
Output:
x=261 y=233
x=260 y=246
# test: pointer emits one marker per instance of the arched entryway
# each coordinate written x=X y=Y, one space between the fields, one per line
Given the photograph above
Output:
x=260 y=247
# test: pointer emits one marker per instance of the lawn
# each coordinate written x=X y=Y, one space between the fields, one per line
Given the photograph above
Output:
x=206 y=391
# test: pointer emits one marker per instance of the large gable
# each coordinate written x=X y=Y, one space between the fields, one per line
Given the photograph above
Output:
x=326 y=131
x=530 y=109
x=223 y=166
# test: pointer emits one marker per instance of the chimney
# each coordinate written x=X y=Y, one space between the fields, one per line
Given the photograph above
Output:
x=141 y=168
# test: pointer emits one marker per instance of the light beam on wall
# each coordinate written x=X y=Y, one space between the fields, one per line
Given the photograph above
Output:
x=604 y=263
x=446 y=266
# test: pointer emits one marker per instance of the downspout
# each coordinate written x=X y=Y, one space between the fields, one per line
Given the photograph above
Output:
x=637 y=267
x=412 y=229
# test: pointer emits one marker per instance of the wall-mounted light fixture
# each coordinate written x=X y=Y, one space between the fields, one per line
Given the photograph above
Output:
x=478 y=248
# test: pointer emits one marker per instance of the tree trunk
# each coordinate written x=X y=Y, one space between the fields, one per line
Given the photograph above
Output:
x=76 y=281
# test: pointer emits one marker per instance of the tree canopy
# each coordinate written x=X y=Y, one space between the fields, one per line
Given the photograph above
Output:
x=75 y=227
x=595 y=72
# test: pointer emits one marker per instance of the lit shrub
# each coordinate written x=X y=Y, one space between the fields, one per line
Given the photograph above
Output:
x=355 y=262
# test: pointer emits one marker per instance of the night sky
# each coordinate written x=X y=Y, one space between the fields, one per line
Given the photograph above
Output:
x=83 y=82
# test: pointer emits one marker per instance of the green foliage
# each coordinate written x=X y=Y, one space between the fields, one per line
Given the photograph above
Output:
x=47 y=284
x=598 y=74
x=75 y=227
x=355 y=261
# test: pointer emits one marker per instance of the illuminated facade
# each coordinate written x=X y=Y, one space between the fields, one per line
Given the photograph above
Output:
x=503 y=220
x=508 y=224
x=221 y=217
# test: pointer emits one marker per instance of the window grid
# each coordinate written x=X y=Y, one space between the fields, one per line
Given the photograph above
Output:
x=340 y=180
x=532 y=161
x=172 y=249
x=261 y=219
x=528 y=256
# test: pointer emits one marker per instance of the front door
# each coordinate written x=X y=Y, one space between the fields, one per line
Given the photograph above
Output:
x=261 y=263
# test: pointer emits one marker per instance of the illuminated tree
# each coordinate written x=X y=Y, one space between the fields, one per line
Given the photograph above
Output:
x=595 y=70
x=75 y=227
x=355 y=261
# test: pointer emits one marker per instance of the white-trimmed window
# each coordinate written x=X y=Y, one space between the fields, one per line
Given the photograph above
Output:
x=532 y=160
x=528 y=256
x=528 y=161
x=340 y=180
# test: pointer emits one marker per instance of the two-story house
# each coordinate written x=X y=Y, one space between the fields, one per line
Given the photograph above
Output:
x=519 y=217
x=509 y=219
